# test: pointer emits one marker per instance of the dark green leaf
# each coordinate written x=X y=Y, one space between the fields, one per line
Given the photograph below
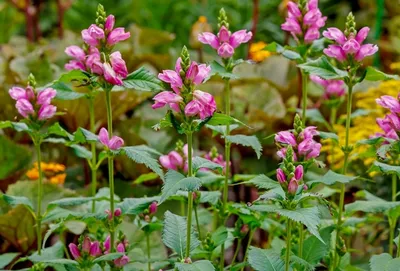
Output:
x=17 y=126
x=16 y=200
x=265 y=260
x=66 y=84
x=372 y=74
x=144 y=155
x=385 y=168
x=219 y=236
x=143 y=80
x=314 y=250
x=323 y=68
x=84 y=136
x=326 y=135
x=248 y=141
x=264 y=182
x=217 y=68
x=332 y=177
x=136 y=206
x=376 y=206
x=56 y=129
x=222 y=119
x=200 y=162
x=175 y=181
x=202 y=265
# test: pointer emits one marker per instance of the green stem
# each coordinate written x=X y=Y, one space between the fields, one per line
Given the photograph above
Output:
x=110 y=168
x=304 y=83
x=189 y=136
x=227 y=164
x=182 y=208
x=394 y=187
x=346 y=159
x=148 y=252
x=238 y=246
x=392 y=226
x=398 y=244
x=288 y=244
x=39 y=199
x=197 y=222
x=251 y=233
x=301 y=240
x=93 y=165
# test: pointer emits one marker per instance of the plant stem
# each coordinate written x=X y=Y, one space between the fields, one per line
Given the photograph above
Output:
x=93 y=166
x=394 y=187
x=189 y=136
x=110 y=168
x=346 y=158
x=301 y=240
x=251 y=233
x=304 y=83
x=197 y=222
x=39 y=198
x=238 y=246
x=398 y=244
x=182 y=208
x=148 y=252
x=392 y=226
x=288 y=244
x=227 y=163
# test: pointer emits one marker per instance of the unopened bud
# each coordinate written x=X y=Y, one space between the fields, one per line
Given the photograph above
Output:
x=147 y=218
x=32 y=80
x=153 y=207
x=350 y=25
x=244 y=229
x=117 y=212
x=188 y=260
x=223 y=19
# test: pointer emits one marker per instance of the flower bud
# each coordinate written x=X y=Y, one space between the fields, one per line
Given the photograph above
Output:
x=293 y=185
x=76 y=254
x=86 y=244
x=153 y=208
x=117 y=212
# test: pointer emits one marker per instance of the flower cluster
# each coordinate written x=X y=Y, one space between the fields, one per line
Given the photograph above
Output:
x=99 y=40
x=334 y=89
x=183 y=79
x=55 y=173
x=121 y=247
x=176 y=159
x=349 y=45
x=301 y=140
x=113 y=143
x=390 y=124
x=33 y=105
x=117 y=213
x=225 y=42
x=215 y=157
x=85 y=251
x=257 y=52
x=304 y=20
x=289 y=175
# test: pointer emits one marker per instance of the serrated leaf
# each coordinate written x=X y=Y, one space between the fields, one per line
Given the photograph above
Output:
x=314 y=250
x=327 y=135
x=384 y=262
x=66 y=84
x=247 y=141
x=108 y=257
x=305 y=266
x=219 y=236
x=211 y=197
x=174 y=234
x=277 y=48
x=175 y=181
x=136 y=206
x=143 y=155
x=332 y=177
x=64 y=92
x=142 y=80
x=264 y=182
x=221 y=129
x=217 y=68
x=372 y=74
x=202 y=265
x=54 y=252
x=385 y=168
x=200 y=162
x=323 y=68
x=7 y=258
x=377 y=206
x=17 y=200
x=84 y=136
x=265 y=260
x=221 y=119
x=56 y=129
x=81 y=152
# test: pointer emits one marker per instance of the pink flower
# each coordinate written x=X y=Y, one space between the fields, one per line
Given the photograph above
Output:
x=293 y=10
x=298 y=172
x=193 y=108
x=47 y=111
x=117 y=35
x=390 y=103
x=86 y=244
x=173 y=161
x=17 y=93
x=120 y=262
x=362 y=34
x=153 y=207
x=24 y=107
x=173 y=78
x=93 y=35
x=223 y=34
x=309 y=132
x=76 y=254
x=333 y=88
x=109 y=24
x=309 y=148
x=311 y=35
x=312 y=16
x=335 y=51
x=75 y=65
x=45 y=96
x=226 y=50
x=107 y=245
x=292 y=25
x=351 y=46
x=335 y=34
x=286 y=137
x=167 y=98
x=114 y=143
x=210 y=39
x=280 y=175
x=95 y=249
x=203 y=105
x=282 y=154
x=394 y=121
x=239 y=37
x=366 y=50
x=110 y=75
x=118 y=64
x=198 y=73
x=293 y=185
x=75 y=52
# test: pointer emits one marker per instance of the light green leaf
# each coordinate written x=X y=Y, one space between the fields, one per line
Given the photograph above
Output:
x=248 y=141
x=202 y=265
x=222 y=119
x=65 y=92
x=332 y=177
x=384 y=262
x=84 y=136
x=217 y=68
x=142 y=155
x=371 y=206
x=264 y=182
x=211 y=197
x=66 y=84
x=136 y=206
x=277 y=48
x=54 y=252
x=385 y=168
x=221 y=129
x=81 y=152
x=314 y=250
x=372 y=74
x=174 y=234
x=305 y=266
x=327 y=135
x=108 y=257
x=56 y=129
x=7 y=258
x=200 y=162
x=142 y=80
x=175 y=181
x=323 y=68
x=265 y=260
x=145 y=177
x=17 y=126
x=219 y=236
x=16 y=200
x=315 y=116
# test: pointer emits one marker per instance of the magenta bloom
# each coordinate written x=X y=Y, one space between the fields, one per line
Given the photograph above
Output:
x=122 y=261
x=118 y=64
x=93 y=35
x=390 y=103
x=293 y=185
x=76 y=52
x=286 y=137
x=280 y=175
x=333 y=88
x=167 y=98
x=76 y=254
x=348 y=46
x=24 y=107
x=47 y=111
x=114 y=143
x=203 y=105
x=225 y=43
x=117 y=35
x=304 y=27
x=45 y=96
x=153 y=207
x=109 y=24
x=173 y=161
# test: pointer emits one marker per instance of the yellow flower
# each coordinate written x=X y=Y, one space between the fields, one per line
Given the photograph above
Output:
x=52 y=172
x=33 y=174
x=58 y=179
x=395 y=66
x=257 y=52
x=363 y=127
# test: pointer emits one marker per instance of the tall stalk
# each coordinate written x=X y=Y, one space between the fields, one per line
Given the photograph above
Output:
x=197 y=222
x=346 y=151
x=392 y=222
x=189 y=136
x=39 y=198
x=288 y=244
x=148 y=251
x=304 y=83
x=301 y=239
x=93 y=164
x=110 y=168
x=251 y=233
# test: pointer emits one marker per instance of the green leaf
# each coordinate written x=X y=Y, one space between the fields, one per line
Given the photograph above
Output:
x=136 y=206
x=384 y=262
x=84 y=136
x=17 y=200
x=202 y=265
x=17 y=126
x=385 y=168
x=264 y=182
x=315 y=115
x=314 y=250
x=332 y=177
x=372 y=74
x=67 y=202
x=143 y=155
x=323 y=68
x=219 y=236
x=376 y=206
x=174 y=234
x=277 y=48
x=211 y=197
x=175 y=181
x=326 y=135
x=200 y=162
x=54 y=252
x=265 y=260
x=56 y=129
x=305 y=266
x=145 y=177
x=248 y=141
x=221 y=129
x=108 y=257
x=66 y=84
x=81 y=152
x=64 y=92
x=142 y=80
x=222 y=119
x=217 y=68
x=7 y=258
x=20 y=155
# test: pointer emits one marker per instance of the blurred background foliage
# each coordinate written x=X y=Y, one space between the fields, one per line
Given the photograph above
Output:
x=35 y=33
